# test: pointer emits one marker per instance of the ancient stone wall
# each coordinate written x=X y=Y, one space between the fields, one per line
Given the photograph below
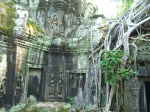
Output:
x=59 y=61
x=3 y=67
x=41 y=65
x=58 y=17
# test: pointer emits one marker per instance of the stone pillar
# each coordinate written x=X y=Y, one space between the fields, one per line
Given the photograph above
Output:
x=10 y=74
x=135 y=93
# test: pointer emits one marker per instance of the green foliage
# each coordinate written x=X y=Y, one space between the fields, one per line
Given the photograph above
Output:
x=43 y=39
x=34 y=25
x=126 y=4
x=69 y=99
x=7 y=23
x=111 y=61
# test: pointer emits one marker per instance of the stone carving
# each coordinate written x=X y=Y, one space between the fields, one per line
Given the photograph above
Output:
x=2 y=86
x=2 y=91
x=20 y=21
x=51 y=83
x=135 y=93
x=76 y=88
x=60 y=15
x=79 y=98
x=35 y=56
x=33 y=4
x=60 y=86
x=19 y=88
x=73 y=79
x=3 y=65
x=142 y=71
x=143 y=51
x=32 y=99
x=41 y=19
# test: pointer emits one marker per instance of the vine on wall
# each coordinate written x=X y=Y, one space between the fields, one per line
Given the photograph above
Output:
x=113 y=61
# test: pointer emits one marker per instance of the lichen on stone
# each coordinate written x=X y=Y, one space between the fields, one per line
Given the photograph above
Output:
x=33 y=27
x=7 y=12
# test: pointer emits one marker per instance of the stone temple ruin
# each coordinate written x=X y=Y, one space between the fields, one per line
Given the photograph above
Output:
x=46 y=52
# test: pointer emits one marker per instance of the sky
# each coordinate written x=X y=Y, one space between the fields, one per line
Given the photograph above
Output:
x=107 y=7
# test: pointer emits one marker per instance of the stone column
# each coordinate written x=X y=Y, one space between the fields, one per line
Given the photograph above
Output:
x=10 y=74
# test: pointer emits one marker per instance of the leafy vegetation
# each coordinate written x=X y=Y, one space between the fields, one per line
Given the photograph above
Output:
x=111 y=64
x=69 y=99
x=33 y=26
x=7 y=14
x=43 y=39
x=125 y=5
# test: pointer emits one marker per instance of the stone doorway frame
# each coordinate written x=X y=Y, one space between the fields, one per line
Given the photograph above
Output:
x=28 y=66
x=143 y=80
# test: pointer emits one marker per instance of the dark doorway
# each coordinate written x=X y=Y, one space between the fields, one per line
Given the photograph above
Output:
x=34 y=84
x=147 y=84
x=142 y=94
x=76 y=81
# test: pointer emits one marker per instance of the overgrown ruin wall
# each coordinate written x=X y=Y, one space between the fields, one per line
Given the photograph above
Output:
x=39 y=72
x=3 y=67
x=52 y=57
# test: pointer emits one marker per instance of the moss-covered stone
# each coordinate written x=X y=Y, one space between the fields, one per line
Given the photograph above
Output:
x=42 y=107
x=7 y=12
x=33 y=26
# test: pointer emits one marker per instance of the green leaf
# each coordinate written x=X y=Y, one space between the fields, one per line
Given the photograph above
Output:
x=135 y=73
x=127 y=77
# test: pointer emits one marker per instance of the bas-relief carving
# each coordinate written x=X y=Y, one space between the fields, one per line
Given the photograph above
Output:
x=20 y=73
x=55 y=20
x=73 y=81
x=60 y=16
x=143 y=51
x=2 y=83
x=30 y=3
x=58 y=26
x=2 y=78
x=55 y=87
x=91 y=86
x=63 y=16
x=76 y=87
x=21 y=56
x=60 y=86
x=51 y=83
x=20 y=21
x=33 y=4
x=2 y=91
x=68 y=19
x=35 y=56
x=41 y=18
x=143 y=68
x=142 y=57
x=142 y=71
x=55 y=78
x=3 y=67
x=19 y=88
x=135 y=93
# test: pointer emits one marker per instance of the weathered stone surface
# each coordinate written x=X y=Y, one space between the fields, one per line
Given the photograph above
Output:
x=20 y=20
x=42 y=107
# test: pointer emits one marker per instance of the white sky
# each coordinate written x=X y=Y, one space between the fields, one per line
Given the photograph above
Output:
x=106 y=7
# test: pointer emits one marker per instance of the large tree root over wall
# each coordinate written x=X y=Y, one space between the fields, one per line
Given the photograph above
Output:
x=121 y=31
